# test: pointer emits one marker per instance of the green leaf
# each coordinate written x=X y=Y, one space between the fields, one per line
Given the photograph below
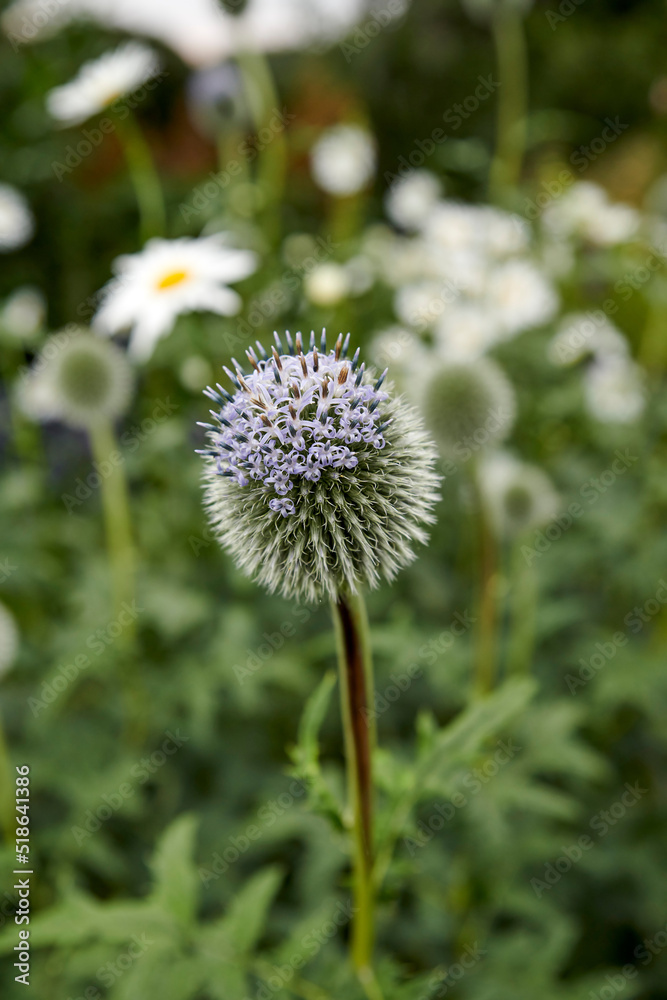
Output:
x=239 y=929
x=176 y=880
x=306 y=753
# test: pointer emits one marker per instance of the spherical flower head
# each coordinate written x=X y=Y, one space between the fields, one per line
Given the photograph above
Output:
x=79 y=380
x=518 y=497
x=318 y=480
x=9 y=639
x=468 y=407
x=343 y=160
x=16 y=221
x=327 y=284
x=101 y=82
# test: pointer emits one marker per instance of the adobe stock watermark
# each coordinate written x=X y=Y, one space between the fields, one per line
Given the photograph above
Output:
x=237 y=846
x=26 y=30
x=97 y=642
x=130 y=441
x=454 y=117
x=257 y=657
x=473 y=782
x=591 y=491
x=645 y=953
x=601 y=823
x=94 y=137
x=139 y=774
x=309 y=945
x=581 y=159
x=565 y=9
x=364 y=33
x=635 y=620
x=246 y=151
x=110 y=972
x=440 y=984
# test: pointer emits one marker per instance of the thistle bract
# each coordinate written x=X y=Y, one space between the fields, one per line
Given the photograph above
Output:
x=317 y=480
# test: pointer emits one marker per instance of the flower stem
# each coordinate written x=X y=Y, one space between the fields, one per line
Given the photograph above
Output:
x=356 y=687
x=120 y=548
x=265 y=109
x=145 y=179
x=488 y=599
x=512 y=67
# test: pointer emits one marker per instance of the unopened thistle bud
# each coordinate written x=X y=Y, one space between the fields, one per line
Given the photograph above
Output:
x=318 y=480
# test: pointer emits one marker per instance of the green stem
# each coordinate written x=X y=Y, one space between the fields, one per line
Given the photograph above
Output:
x=120 y=548
x=147 y=186
x=512 y=68
x=485 y=670
x=116 y=508
x=357 y=693
x=264 y=105
x=523 y=597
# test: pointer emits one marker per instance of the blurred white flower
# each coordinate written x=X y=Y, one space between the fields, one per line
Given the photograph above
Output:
x=517 y=496
x=403 y=353
x=454 y=226
x=9 y=639
x=201 y=32
x=465 y=332
x=585 y=211
x=520 y=297
x=16 y=221
x=580 y=334
x=614 y=390
x=419 y=305
x=327 y=284
x=343 y=160
x=101 y=82
x=167 y=278
x=23 y=313
x=411 y=198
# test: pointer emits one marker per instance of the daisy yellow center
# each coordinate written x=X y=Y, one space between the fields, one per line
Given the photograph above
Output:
x=171 y=279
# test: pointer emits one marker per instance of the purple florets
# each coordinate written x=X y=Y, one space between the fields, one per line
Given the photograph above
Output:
x=295 y=416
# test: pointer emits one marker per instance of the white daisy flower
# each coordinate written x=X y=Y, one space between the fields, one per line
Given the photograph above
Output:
x=101 y=82
x=202 y=32
x=520 y=297
x=343 y=160
x=614 y=390
x=167 y=278
x=16 y=220
x=411 y=198
x=585 y=211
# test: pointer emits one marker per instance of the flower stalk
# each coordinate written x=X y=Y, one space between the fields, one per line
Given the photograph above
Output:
x=356 y=688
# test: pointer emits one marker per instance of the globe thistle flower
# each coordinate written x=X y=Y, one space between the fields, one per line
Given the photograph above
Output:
x=468 y=407
x=101 y=82
x=318 y=481
x=9 y=639
x=343 y=160
x=167 y=278
x=16 y=222
x=79 y=380
x=517 y=496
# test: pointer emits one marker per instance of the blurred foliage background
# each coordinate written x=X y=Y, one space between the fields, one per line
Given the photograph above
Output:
x=185 y=856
